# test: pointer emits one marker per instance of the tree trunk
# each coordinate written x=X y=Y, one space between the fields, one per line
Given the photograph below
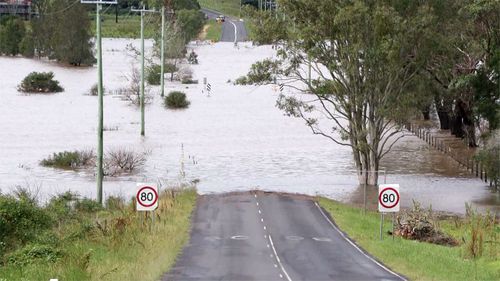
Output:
x=426 y=112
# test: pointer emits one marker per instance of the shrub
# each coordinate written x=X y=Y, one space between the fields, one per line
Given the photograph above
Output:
x=21 y=221
x=61 y=207
x=33 y=253
x=70 y=159
x=189 y=81
x=176 y=99
x=418 y=224
x=132 y=92
x=121 y=161
x=40 y=82
x=242 y=80
x=93 y=90
x=153 y=76
x=192 y=58
x=115 y=203
x=87 y=205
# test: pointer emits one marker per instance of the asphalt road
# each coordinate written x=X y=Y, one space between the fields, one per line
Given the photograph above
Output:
x=268 y=236
x=232 y=28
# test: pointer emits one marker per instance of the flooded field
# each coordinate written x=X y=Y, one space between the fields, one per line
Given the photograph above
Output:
x=234 y=139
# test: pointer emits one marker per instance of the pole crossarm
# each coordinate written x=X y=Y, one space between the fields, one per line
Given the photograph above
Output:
x=107 y=2
x=144 y=10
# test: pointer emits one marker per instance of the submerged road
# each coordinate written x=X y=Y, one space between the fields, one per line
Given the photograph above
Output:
x=268 y=236
x=233 y=30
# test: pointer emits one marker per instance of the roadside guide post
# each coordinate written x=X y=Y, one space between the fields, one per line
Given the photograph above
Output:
x=147 y=199
x=388 y=202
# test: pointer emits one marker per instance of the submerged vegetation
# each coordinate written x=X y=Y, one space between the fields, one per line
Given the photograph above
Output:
x=116 y=161
x=477 y=256
x=73 y=238
x=40 y=82
x=176 y=99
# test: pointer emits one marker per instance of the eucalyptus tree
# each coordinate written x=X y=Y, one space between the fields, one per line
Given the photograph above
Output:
x=363 y=56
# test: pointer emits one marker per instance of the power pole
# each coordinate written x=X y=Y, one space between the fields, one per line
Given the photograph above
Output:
x=142 y=11
x=162 y=51
x=100 y=110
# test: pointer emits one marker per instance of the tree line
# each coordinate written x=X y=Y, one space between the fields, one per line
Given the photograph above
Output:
x=61 y=29
x=379 y=64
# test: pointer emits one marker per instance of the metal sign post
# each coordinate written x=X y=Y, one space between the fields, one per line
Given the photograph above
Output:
x=99 y=93
x=388 y=202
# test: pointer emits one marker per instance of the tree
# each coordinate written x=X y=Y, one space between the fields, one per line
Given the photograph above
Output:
x=364 y=54
x=190 y=23
x=12 y=31
x=65 y=37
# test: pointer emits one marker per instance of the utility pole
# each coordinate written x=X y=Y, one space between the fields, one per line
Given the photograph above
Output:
x=100 y=99
x=162 y=51
x=142 y=11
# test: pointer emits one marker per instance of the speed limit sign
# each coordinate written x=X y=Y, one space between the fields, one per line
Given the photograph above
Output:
x=147 y=197
x=388 y=198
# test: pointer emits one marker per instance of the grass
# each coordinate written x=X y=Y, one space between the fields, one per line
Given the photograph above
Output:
x=128 y=26
x=213 y=31
x=416 y=260
x=227 y=7
x=109 y=244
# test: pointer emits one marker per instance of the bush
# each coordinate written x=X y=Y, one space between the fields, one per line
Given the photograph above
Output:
x=115 y=203
x=153 y=76
x=242 y=80
x=121 y=161
x=189 y=81
x=176 y=99
x=93 y=90
x=40 y=82
x=87 y=205
x=192 y=58
x=33 y=253
x=70 y=159
x=21 y=221
x=419 y=224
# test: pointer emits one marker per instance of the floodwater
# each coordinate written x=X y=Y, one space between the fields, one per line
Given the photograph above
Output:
x=235 y=139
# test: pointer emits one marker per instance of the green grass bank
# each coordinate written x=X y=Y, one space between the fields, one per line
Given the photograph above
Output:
x=419 y=260
x=128 y=26
x=80 y=240
x=213 y=31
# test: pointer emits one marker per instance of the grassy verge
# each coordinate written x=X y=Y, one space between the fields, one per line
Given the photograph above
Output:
x=128 y=26
x=213 y=31
x=227 y=7
x=87 y=242
x=416 y=260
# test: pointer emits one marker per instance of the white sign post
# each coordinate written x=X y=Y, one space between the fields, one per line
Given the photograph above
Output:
x=147 y=197
x=388 y=202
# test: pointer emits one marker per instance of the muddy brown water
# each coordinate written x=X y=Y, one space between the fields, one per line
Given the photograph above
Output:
x=234 y=140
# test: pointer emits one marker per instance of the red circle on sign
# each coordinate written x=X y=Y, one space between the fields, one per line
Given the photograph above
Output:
x=154 y=192
x=382 y=203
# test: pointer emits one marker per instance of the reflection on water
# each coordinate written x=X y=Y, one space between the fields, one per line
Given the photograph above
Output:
x=237 y=137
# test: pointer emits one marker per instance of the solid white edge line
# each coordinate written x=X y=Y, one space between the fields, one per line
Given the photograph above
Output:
x=235 y=31
x=278 y=259
x=356 y=246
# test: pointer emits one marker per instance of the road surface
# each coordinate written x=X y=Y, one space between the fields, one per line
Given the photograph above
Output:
x=268 y=236
x=232 y=28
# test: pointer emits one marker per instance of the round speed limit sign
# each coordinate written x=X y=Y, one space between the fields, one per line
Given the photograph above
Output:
x=147 y=197
x=388 y=198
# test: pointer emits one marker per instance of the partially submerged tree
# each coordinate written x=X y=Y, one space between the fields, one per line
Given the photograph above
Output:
x=63 y=36
x=363 y=55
